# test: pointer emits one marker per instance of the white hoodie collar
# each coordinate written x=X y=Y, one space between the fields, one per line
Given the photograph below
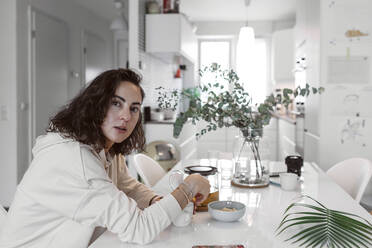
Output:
x=106 y=160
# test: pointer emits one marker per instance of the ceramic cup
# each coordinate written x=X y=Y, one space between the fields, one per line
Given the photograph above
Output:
x=184 y=218
x=288 y=181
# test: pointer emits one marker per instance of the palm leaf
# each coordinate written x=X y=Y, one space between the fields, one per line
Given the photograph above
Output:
x=325 y=227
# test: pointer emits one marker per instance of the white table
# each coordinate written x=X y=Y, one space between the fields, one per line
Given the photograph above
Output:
x=265 y=207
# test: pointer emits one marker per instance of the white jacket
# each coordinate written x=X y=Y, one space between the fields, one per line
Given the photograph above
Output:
x=66 y=193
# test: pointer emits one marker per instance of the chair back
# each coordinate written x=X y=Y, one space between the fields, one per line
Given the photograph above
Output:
x=352 y=175
x=149 y=170
x=3 y=213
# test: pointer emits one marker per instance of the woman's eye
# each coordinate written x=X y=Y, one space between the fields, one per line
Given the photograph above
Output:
x=116 y=103
x=134 y=109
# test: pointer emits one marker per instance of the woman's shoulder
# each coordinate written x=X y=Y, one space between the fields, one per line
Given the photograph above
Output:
x=58 y=140
x=58 y=146
x=54 y=152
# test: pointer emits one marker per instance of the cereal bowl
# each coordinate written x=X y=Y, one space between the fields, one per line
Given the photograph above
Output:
x=226 y=211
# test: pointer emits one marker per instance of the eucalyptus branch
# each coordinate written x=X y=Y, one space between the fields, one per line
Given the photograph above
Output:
x=232 y=107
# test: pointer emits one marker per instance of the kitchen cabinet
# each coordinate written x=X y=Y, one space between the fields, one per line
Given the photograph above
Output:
x=268 y=143
x=286 y=139
x=301 y=27
x=283 y=56
x=170 y=38
x=169 y=35
x=223 y=140
x=307 y=43
x=311 y=146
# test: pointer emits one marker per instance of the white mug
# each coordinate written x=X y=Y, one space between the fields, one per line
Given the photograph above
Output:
x=184 y=218
x=288 y=181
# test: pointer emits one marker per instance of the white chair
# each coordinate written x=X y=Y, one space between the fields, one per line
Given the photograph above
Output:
x=149 y=170
x=3 y=213
x=352 y=175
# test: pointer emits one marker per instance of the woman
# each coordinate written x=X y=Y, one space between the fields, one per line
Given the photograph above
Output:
x=78 y=179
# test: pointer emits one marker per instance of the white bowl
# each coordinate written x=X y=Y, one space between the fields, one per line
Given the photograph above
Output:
x=215 y=210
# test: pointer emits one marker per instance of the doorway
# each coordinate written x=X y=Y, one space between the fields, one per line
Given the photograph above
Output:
x=49 y=71
x=96 y=55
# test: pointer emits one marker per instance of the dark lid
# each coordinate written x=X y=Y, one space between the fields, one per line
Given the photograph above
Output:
x=202 y=170
x=294 y=159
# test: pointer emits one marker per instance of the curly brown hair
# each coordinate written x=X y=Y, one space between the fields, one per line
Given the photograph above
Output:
x=82 y=118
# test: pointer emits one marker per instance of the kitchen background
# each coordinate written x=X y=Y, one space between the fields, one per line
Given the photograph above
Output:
x=50 y=49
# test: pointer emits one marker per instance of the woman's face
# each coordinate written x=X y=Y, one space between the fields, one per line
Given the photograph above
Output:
x=122 y=114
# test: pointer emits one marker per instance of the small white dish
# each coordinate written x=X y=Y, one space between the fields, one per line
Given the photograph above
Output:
x=288 y=181
x=235 y=210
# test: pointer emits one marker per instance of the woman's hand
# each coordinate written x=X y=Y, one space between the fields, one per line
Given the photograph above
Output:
x=199 y=187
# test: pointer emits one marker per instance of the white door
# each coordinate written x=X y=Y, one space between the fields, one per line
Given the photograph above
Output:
x=96 y=55
x=49 y=68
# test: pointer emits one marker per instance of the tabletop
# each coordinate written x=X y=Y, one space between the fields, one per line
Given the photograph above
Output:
x=264 y=211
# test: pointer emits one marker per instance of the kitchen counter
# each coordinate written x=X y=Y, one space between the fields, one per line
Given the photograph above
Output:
x=171 y=121
x=289 y=117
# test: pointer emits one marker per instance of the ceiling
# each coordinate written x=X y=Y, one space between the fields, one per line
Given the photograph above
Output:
x=211 y=10
x=103 y=8
x=235 y=10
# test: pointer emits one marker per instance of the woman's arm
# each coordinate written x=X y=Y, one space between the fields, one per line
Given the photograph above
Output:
x=143 y=195
x=105 y=205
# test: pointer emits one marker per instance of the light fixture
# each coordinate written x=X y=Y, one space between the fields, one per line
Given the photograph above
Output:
x=120 y=22
x=246 y=34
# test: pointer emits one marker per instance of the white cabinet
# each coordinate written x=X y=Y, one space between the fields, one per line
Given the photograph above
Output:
x=301 y=27
x=269 y=141
x=283 y=56
x=168 y=35
x=223 y=140
x=286 y=139
x=311 y=146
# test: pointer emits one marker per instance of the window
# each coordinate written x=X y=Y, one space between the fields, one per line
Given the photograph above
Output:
x=252 y=68
x=214 y=51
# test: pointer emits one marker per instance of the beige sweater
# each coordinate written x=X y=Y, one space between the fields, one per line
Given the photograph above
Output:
x=117 y=170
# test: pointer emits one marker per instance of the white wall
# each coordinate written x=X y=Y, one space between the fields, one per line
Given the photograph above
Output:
x=335 y=22
x=14 y=63
x=156 y=73
x=8 y=69
x=78 y=19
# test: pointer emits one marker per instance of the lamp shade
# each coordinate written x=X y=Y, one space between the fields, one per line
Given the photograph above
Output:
x=246 y=35
x=118 y=24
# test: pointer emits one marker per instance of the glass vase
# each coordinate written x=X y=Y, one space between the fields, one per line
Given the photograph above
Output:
x=248 y=167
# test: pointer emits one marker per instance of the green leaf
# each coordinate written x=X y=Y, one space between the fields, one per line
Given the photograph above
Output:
x=325 y=226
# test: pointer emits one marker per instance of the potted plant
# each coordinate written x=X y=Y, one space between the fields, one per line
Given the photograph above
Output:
x=232 y=107
x=168 y=101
